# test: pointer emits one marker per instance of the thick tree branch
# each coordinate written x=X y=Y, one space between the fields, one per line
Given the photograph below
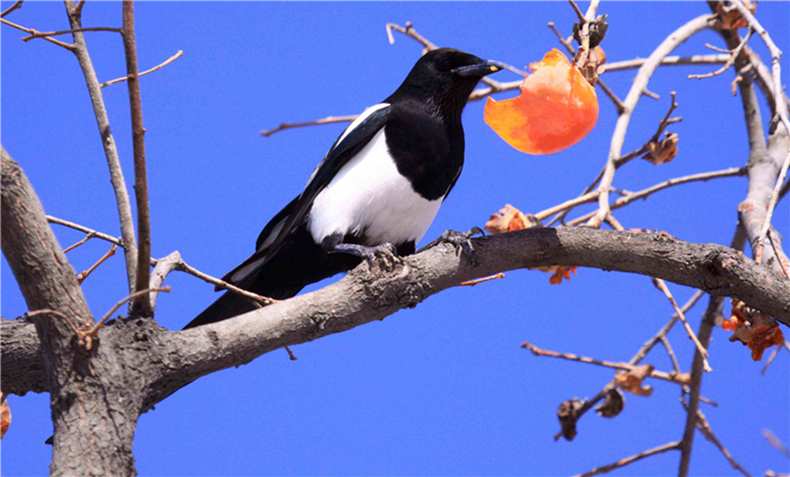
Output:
x=364 y=295
x=22 y=364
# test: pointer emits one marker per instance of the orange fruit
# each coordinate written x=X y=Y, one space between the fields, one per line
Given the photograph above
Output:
x=557 y=107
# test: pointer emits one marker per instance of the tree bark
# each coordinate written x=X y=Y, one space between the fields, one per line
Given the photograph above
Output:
x=93 y=413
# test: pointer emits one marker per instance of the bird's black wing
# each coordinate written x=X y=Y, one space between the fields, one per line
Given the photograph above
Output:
x=337 y=157
x=291 y=216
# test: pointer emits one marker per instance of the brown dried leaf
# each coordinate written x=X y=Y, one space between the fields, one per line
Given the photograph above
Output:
x=5 y=416
x=568 y=414
x=763 y=337
x=510 y=219
x=730 y=18
x=753 y=328
x=632 y=380
x=558 y=273
x=661 y=152
x=612 y=405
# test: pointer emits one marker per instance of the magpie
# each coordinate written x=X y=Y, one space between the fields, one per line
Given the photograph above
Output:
x=375 y=193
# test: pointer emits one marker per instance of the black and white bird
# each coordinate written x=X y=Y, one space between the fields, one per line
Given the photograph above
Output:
x=377 y=190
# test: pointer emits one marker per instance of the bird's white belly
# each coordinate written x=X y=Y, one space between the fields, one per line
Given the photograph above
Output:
x=369 y=196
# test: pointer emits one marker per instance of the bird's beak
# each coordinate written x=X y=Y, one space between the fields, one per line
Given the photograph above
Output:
x=481 y=69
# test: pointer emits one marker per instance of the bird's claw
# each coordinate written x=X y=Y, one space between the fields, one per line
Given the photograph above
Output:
x=462 y=241
x=386 y=252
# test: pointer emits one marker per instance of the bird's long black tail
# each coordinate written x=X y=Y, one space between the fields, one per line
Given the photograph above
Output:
x=296 y=264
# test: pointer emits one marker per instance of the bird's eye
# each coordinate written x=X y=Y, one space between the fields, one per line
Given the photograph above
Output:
x=444 y=64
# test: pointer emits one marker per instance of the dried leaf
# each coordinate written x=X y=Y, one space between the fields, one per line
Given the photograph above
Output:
x=763 y=337
x=753 y=328
x=558 y=273
x=509 y=219
x=597 y=31
x=612 y=405
x=5 y=416
x=661 y=152
x=632 y=380
x=556 y=109
x=730 y=18
x=568 y=414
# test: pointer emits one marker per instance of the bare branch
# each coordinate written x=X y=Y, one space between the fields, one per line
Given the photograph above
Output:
x=776 y=442
x=644 y=193
x=131 y=297
x=472 y=283
x=33 y=32
x=327 y=120
x=771 y=359
x=142 y=307
x=85 y=239
x=700 y=349
x=83 y=275
x=681 y=379
x=630 y=460
x=17 y=5
x=731 y=61
x=704 y=428
x=667 y=61
x=173 y=58
x=45 y=34
x=108 y=142
x=22 y=365
x=640 y=83
x=82 y=228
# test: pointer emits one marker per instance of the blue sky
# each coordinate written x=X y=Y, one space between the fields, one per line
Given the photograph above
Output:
x=443 y=389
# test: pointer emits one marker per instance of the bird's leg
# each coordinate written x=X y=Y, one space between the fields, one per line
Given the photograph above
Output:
x=386 y=251
x=462 y=241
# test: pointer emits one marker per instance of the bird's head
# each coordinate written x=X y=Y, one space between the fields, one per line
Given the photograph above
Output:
x=444 y=78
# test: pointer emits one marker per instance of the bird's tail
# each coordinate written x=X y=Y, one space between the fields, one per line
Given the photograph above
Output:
x=231 y=304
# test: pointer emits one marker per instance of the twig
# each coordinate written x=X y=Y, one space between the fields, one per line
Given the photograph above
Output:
x=67 y=46
x=667 y=61
x=80 y=4
x=567 y=205
x=629 y=460
x=776 y=442
x=17 y=5
x=83 y=275
x=671 y=352
x=141 y=306
x=327 y=120
x=48 y=311
x=253 y=297
x=734 y=54
x=704 y=428
x=681 y=379
x=644 y=193
x=640 y=83
x=108 y=143
x=87 y=237
x=82 y=228
x=173 y=58
x=621 y=161
x=700 y=349
x=706 y=326
x=92 y=332
x=777 y=253
x=472 y=283
x=45 y=34
x=770 y=360
x=579 y=13
x=290 y=354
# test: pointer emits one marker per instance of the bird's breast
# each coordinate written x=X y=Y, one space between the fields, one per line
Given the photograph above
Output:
x=369 y=197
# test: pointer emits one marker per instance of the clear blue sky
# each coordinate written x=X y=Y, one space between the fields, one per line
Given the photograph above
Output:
x=442 y=389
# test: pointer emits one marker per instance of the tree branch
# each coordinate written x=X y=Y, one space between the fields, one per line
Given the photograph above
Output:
x=108 y=142
x=359 y=299
x=142 y=304
x=675 y=39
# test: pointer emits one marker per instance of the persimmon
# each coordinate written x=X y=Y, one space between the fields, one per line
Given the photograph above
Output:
x=556 y=109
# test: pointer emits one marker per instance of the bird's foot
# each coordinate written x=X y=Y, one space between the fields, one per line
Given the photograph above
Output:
x=385 y=252
x=462 y=241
